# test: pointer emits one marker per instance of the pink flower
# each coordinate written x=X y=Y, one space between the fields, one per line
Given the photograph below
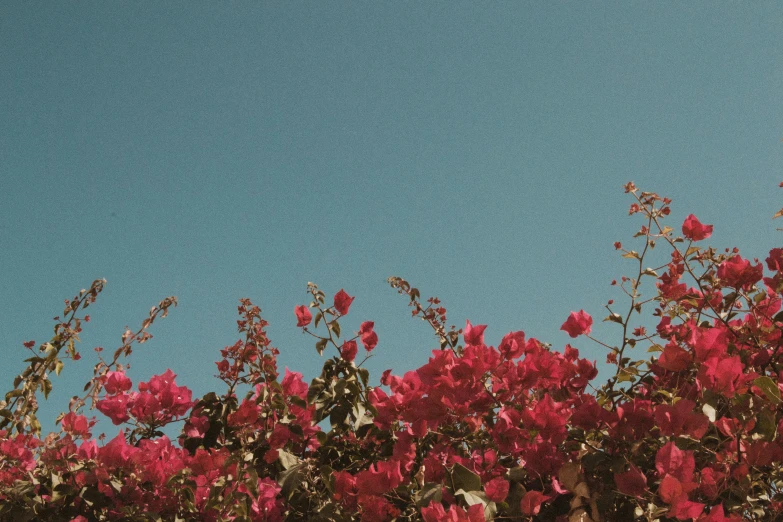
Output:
x=497 y=489
x=367 y=326
x=197 y=426
x=76 y=424
x=474 y=335
x=115 y=407
x=738 y=272
x=342 y=302
x=435 y=512
x=293 y=384
x=578 y=323
x=631 y=482
x=694 y=230
x=531 y=502
x=774 y=262
x=379 y=478
x=303 y=315
x=246 y=414
x=370 y=341
x=369 y=337
x=116 y=382
x=348 y=351
x=88 y=450
x=117 y=452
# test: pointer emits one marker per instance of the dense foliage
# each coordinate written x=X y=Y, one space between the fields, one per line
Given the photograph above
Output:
x=687 y=428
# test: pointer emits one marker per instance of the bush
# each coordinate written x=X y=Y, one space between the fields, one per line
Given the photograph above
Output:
x=478 y=433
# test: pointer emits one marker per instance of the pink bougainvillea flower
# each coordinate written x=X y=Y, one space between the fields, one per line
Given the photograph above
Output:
x=680 y=419
x=670 y=489
x=684 y=509
x=717 y=515
x=196 y=426
x=436 y=513
x=117 y=452
x=370 y=341
x=293 y=384
x=723 y=375
x=738 y=272
x=774 y=263
x=345 y=489
x=367 y=326
x=76 y=424
x=670 y=460
x=116 y=382
x=303 y=315
x=631 y=482
x=246 y=414
x=474 y=335
x=115 y=407
x=531 y=502
x=512 y=345
x=379 y=478
x=348 y=351
x=694 y=230
x=342 y=302
x=497 y=489
x=369 y=337
x=578 y=323
x=376 y=509
x=674 y=358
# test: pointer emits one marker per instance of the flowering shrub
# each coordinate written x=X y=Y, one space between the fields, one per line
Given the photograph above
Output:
x=688 y=429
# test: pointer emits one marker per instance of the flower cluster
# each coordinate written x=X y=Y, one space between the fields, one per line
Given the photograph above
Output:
x=687 y=430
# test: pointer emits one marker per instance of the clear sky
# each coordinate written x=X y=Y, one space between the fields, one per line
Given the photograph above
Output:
x=215 y=151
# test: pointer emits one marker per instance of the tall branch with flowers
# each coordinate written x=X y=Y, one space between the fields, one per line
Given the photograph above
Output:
x=686 y=428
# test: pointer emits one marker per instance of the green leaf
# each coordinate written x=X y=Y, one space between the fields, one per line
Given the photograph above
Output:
x=615 y=318
x=327 y=477
x=58 y=367
x=320 y=346
x=364 y=375
x=516 y=474
x=431 y=492
x=473 y=497
x=288 y=460
x=290 y=479
x=35 y=425
x=338 y=416
x=478 y=497
x=362 y=419
x=335 y=327
x=766 y=425
x=13 y=393
x=769 y=388
x=463 y=478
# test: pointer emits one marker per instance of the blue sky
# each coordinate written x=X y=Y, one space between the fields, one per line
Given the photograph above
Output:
x=216 y=151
